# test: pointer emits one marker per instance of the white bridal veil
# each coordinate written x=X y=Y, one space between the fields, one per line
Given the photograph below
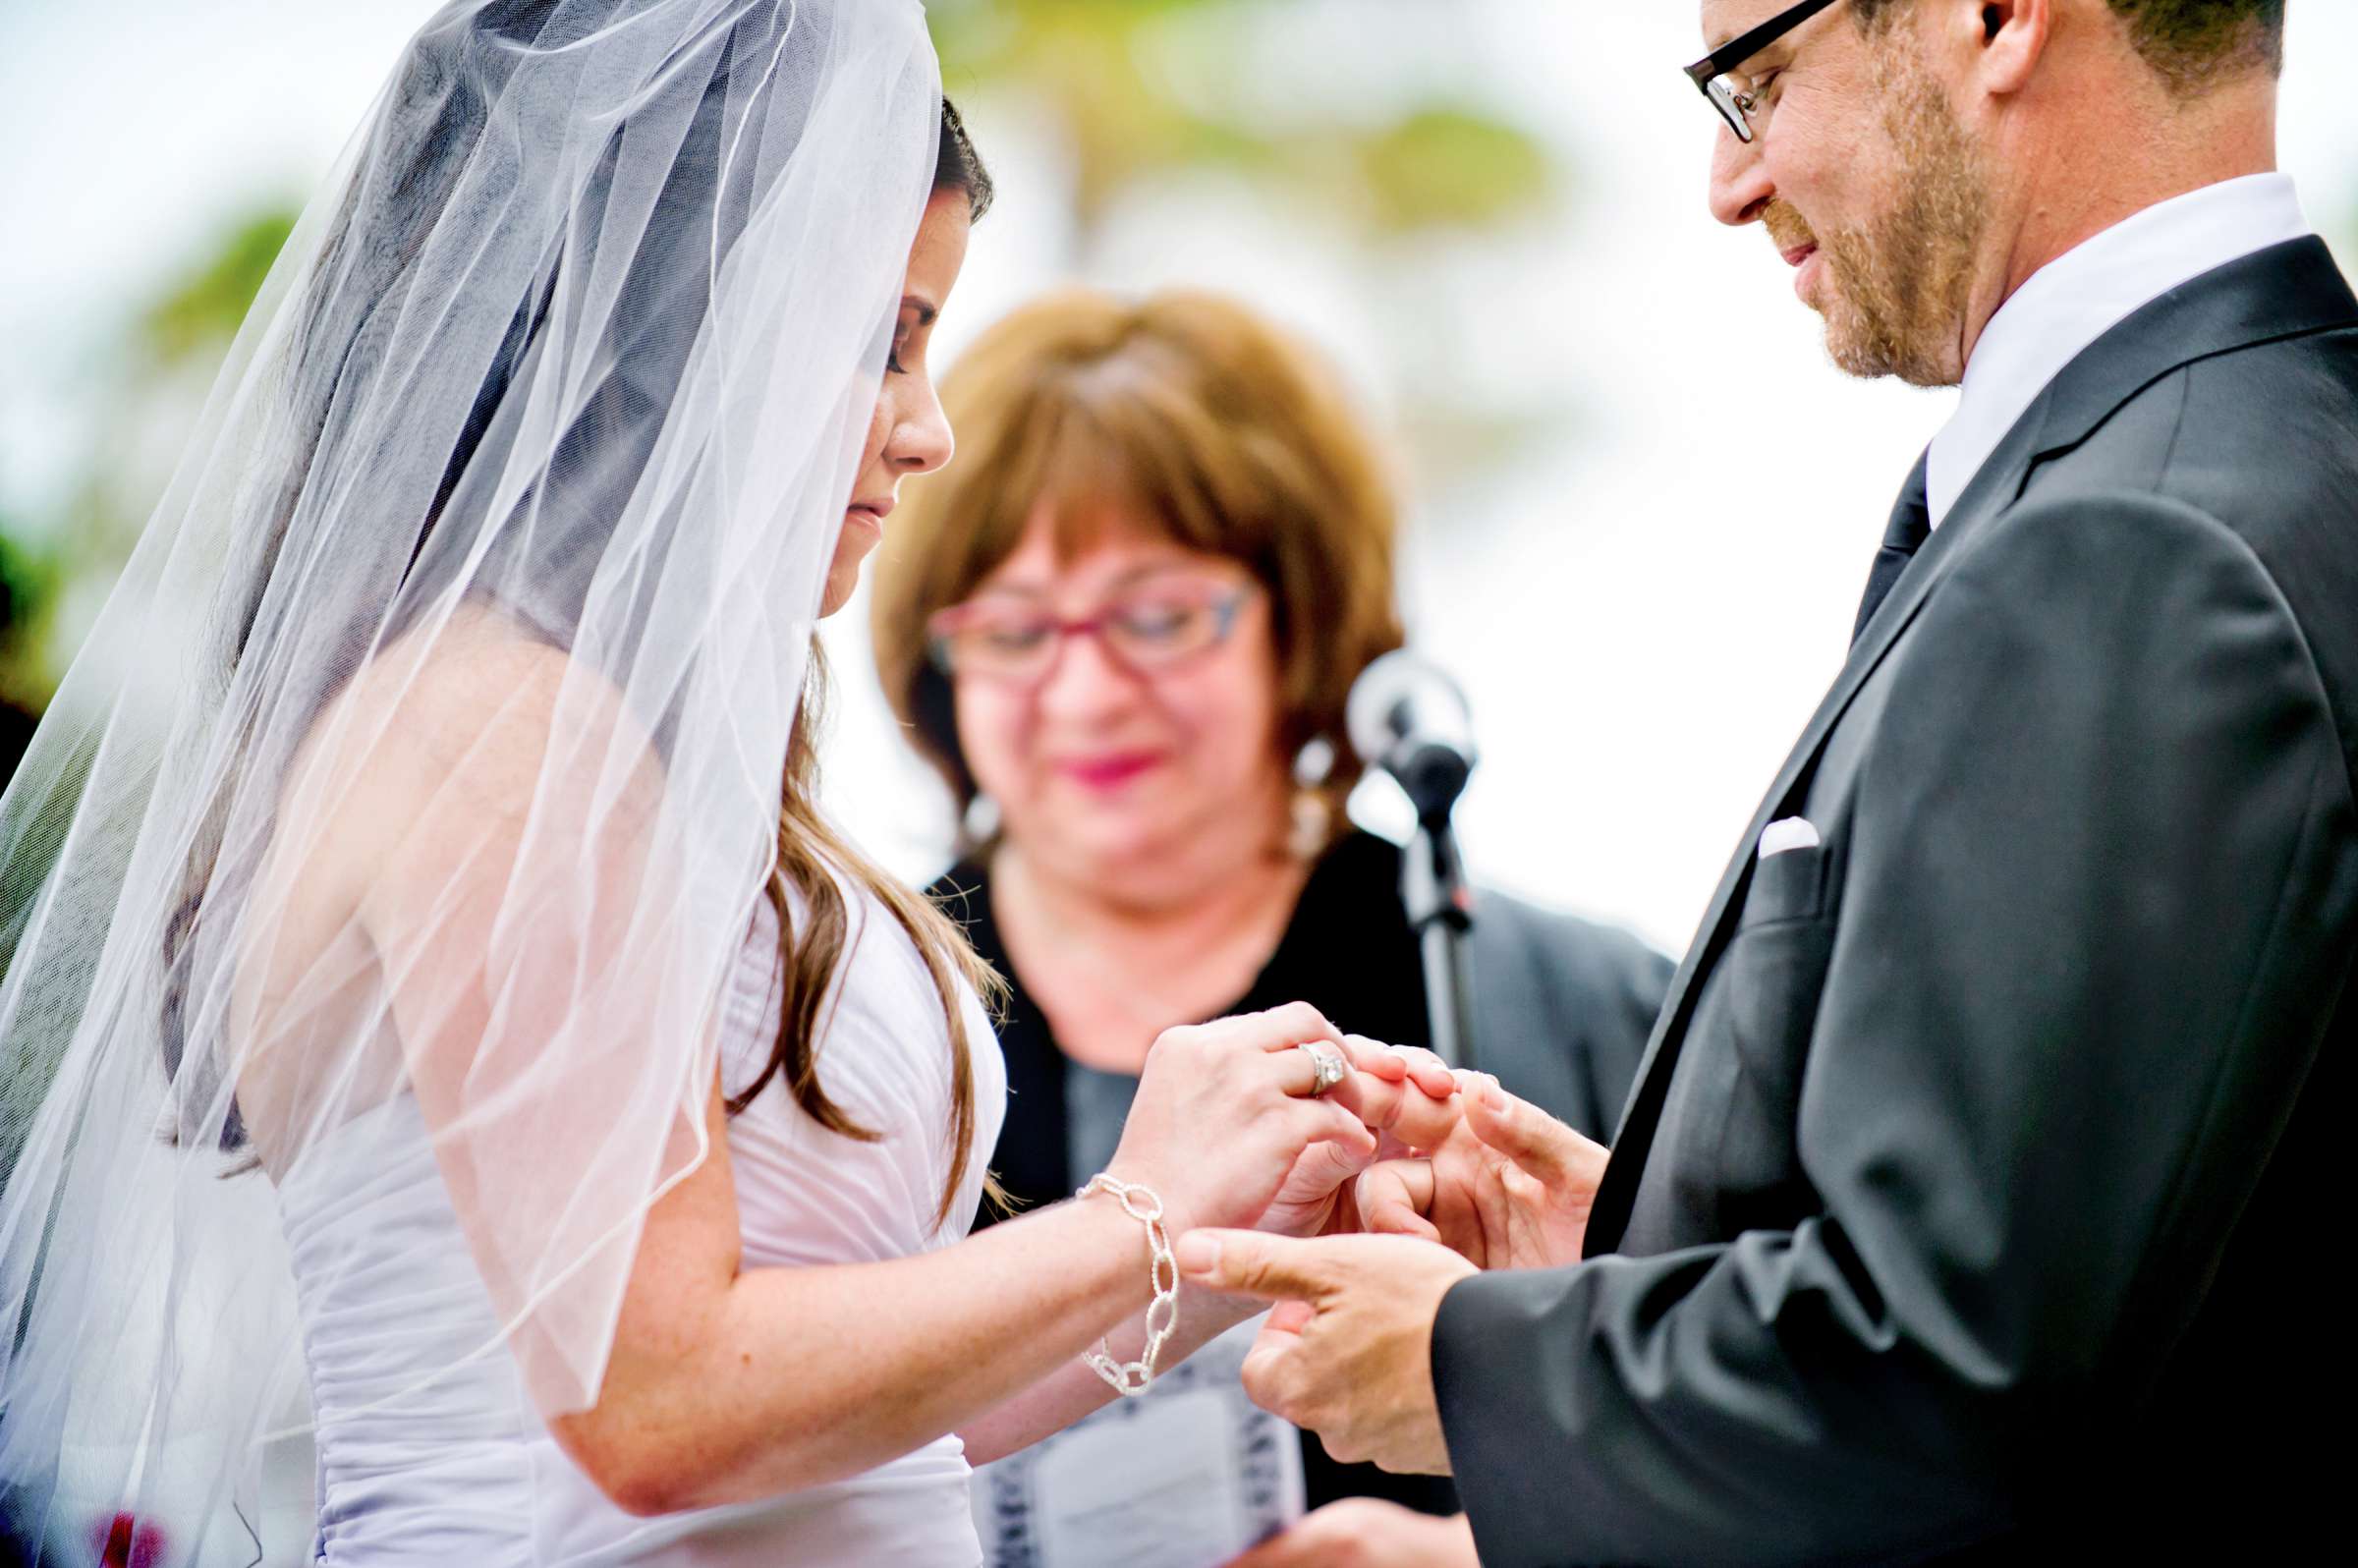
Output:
x=515 y=496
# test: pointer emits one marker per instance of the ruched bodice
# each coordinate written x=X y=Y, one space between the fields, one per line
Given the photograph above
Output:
x=439 y=1469
x=429 y=1449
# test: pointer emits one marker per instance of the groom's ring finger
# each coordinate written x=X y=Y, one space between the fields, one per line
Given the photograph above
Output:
x=1375 y=1058
x=1433 y=1075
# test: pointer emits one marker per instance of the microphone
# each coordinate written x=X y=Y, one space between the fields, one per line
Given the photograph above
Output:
x=1406 y=717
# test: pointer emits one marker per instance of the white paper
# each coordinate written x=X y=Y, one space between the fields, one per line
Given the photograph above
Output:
x=1186 y=1476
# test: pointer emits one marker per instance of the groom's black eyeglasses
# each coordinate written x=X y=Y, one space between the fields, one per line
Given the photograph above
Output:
x=1731 y=91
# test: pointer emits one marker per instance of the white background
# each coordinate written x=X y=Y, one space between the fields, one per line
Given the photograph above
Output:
x=1645 y=604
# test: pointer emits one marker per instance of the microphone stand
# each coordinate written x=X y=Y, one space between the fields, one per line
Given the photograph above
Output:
x=1409 y=718
x=1441 y=912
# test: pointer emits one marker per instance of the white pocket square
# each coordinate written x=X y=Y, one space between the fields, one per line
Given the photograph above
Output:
x=1788 y=833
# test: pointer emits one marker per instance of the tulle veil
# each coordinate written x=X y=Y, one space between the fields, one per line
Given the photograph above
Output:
x=534 y=449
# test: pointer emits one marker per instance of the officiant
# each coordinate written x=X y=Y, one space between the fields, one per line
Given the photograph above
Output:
x=1122 y=627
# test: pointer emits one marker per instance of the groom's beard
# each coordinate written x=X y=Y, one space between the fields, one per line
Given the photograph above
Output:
x=1897 y=289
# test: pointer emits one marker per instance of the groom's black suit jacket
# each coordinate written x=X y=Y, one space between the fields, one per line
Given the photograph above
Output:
x=1980 y=1191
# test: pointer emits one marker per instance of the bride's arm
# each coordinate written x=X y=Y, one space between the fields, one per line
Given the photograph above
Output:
x=511 y=805
x=729 y=1383
x=1420 y=1112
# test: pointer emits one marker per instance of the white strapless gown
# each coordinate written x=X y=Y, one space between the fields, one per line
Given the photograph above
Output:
x=463 y=1472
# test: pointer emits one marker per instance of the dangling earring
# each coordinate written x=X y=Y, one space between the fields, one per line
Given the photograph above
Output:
x=1310 y=827
x=979 y=823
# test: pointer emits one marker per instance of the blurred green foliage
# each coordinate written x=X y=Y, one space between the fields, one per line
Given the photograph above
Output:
x=29 y=576
x=1451 y=165
x=1135 y=89
x=157 y=374
x=200 y=312
x=1382 y=146
x=1103 y=69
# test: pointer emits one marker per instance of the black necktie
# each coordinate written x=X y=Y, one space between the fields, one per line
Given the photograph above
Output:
x=1911 y=525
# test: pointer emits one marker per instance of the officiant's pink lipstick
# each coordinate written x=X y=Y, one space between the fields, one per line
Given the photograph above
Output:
x=1109 y=772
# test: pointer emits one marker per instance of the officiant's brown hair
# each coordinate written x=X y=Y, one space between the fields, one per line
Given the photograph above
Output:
x=1186 y=414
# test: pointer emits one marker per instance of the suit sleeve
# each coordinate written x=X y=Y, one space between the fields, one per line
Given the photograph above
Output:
x=2097 y=911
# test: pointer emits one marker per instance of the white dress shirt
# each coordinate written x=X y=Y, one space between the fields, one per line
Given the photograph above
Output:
x=2086 y=292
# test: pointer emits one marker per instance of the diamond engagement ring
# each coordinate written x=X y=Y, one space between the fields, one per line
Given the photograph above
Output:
x=1330 y=1065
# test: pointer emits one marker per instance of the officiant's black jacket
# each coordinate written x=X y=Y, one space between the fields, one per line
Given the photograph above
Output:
x=1985 y=1186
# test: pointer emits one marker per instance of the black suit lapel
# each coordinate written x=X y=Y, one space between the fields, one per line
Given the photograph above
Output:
x=2281 y=292
x=2285 y=291
x=1995 y=486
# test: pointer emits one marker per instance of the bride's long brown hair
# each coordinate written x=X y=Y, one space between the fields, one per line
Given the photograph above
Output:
x=813 y=854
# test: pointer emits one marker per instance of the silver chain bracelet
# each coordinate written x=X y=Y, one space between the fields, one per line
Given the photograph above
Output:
x=1133 y=1379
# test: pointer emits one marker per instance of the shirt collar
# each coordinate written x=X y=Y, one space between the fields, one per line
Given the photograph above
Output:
x=2086 y=292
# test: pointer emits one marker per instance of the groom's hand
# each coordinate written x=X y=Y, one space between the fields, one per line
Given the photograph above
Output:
x=1407 y=1096
x=1511 y=1187
x=1349 y=1352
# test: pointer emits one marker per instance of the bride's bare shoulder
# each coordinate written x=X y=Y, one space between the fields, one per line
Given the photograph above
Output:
x=454 y=720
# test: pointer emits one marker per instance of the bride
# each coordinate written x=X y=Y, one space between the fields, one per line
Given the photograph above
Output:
x=434 y=1005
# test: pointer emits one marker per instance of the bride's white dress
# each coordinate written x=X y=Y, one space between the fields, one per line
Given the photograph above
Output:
x=463 y=1470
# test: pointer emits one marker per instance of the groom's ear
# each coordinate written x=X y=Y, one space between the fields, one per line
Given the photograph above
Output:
x=2002 y=43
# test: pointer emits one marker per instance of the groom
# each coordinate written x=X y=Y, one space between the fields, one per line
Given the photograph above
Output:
x=1981 y=1192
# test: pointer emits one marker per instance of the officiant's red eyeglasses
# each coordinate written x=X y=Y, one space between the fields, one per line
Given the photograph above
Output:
x=1721 y=78
x=1144 y=630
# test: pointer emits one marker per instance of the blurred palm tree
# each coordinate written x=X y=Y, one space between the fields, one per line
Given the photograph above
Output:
x=1137 y=89
x=1370 y=116
x=1137 y=86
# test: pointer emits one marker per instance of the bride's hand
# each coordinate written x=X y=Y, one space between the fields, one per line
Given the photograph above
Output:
x=1224 y=1112
x=1414 y=1113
